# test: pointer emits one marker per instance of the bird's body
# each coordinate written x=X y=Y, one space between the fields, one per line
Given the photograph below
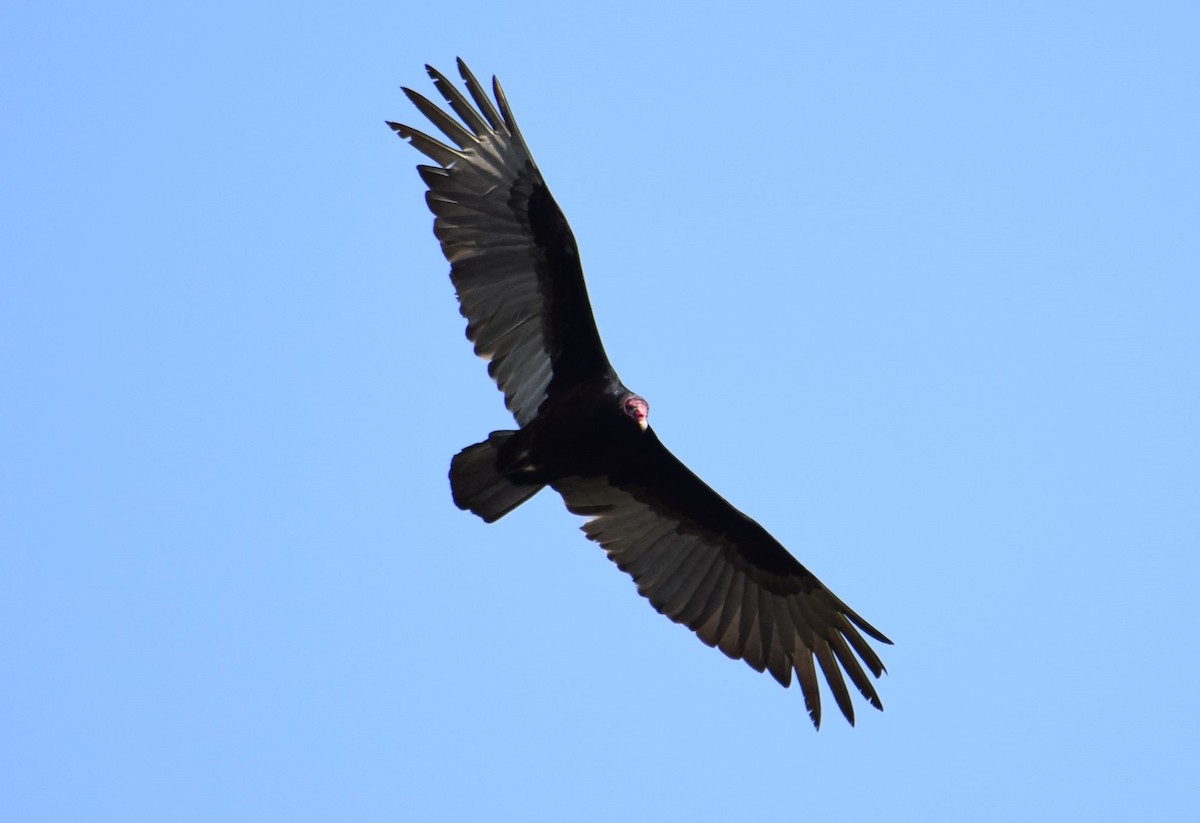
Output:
x=700 y=561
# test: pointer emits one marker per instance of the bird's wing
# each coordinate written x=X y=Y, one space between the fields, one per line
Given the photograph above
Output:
x=706 y=565
x=513 y=259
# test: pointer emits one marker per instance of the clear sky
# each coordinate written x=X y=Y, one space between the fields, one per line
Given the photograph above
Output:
x=915 y=285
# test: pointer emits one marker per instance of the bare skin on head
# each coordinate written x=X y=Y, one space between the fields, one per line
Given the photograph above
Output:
x=637 y=408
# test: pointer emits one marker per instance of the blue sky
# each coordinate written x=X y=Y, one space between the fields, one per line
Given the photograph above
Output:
x=914 y=285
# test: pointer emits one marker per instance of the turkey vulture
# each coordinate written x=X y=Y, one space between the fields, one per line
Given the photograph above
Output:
x=700 y=561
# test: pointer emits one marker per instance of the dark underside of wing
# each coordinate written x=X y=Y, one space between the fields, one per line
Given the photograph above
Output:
x=704 y=564
x=514 y=262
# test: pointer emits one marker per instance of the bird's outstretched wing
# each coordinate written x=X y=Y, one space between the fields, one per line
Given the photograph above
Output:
x=704 y=564
x=513 y=259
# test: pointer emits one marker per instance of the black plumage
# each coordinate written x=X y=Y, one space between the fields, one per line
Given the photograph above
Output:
x=701 y=562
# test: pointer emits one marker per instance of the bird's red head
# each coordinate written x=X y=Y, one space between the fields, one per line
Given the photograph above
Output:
x=637 y=408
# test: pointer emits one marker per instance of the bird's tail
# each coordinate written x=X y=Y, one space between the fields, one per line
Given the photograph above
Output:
x=478 y=484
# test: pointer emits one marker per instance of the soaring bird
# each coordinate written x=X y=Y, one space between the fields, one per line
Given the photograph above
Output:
x=697 y=559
